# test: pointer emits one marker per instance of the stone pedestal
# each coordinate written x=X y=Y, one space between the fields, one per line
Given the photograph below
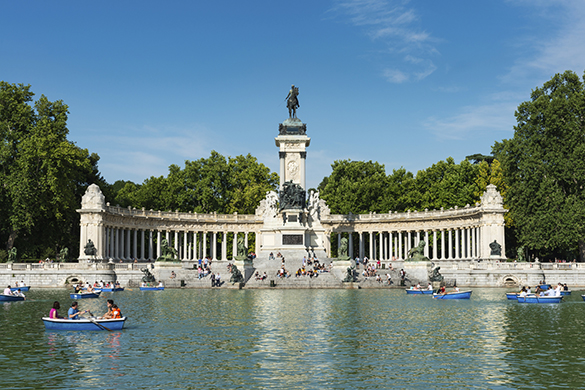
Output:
x=417 y=272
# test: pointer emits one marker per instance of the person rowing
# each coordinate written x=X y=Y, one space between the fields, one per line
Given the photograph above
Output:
x=73 y=313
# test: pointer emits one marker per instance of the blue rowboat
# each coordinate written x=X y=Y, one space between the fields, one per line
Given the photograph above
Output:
x=83 y=324
x=25 y=288
x=84 y=295
x=112 y=289
x=10 y=298
x=583 y=296
x=426 y=292
x=512 y=296
x=545 y=286
x=454 y=295
x=565 y=292
x=151 y=288
x=537 y=299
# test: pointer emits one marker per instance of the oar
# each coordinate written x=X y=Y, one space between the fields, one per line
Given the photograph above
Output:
x=98 y=324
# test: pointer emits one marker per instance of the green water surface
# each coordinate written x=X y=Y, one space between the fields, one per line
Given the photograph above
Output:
x=297 y=339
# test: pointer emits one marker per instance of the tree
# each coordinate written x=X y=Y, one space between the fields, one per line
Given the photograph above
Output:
x=207 y=185
x=544 y=167
x=43 y=175
x=355 y=186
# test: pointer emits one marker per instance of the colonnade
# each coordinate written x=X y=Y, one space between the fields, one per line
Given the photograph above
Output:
x=145 y=244
x=443 y=244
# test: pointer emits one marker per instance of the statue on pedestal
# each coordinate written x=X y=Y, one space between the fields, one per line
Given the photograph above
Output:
x=167 y=253
x=496 y=249
x=90 y=249
x=292 y=102
x=417 y=253
x=292 y=196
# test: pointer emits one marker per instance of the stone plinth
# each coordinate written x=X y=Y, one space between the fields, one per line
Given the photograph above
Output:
x=417 y=272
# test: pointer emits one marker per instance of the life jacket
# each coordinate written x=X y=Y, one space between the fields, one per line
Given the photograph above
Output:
x=116 y=313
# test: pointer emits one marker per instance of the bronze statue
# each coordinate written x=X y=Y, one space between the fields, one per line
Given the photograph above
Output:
x=12 y=255
x=417 y=253
x=167 y=253
x=434 y=274
x=349 y=275
x=148 y=277
x=90 y=249
x=236 y=274
x=496 y=249
x=292 y=102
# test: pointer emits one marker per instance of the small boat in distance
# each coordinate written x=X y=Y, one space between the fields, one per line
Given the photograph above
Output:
x=112 y=289
x=538 y=299
x=85 y=295
x=23 y=288
x=454 y=295
x=425 y=292
x=10 y=298
x=156 y=288
x=84 y=324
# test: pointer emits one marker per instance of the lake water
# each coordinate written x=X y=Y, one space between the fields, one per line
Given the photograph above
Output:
x=298 y=339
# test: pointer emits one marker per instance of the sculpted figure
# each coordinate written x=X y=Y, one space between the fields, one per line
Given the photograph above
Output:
x=90 y=249
x=434 y=274
x=417 y=253
x=148 y=277
x=63 y=254
x=349 y=275
x=12 y=255
x=242 y=250
x=166 y=252
x=292 y=102
x=236 y=275
x=343 y=249
x=496 y=249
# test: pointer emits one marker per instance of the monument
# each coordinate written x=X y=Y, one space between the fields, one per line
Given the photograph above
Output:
x=291 y=224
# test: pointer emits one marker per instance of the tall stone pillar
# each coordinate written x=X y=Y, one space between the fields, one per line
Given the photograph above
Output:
x=350 y=245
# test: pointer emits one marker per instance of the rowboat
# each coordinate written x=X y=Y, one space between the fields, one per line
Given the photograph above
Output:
x=83 y=324
x=583 y=296
x=512 y=296
x=151 y=288
x=112 y=289
x=10 y=298
x=545 y=286
x=565 y=292
x=84 y=295
x=454 y=295
x=24 y=288
x=426 y=292
x=538 y=299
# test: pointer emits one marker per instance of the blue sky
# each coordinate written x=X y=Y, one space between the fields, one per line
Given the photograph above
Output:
x=404 y=83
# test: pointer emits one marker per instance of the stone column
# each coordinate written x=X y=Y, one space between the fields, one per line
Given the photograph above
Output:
x=204 y=242
x=408 y=244
x=442 y=244
x=381 y=246
x=246 y=243
x=450 y=244
x=141 y=244
x=213 y=247
x=371 y=244
x=135 y=246
x=338 y=243
x=224 y=246
x=427 y=243
x=235 y=246
x=127 y=253
x=185 y=245
x=361 y=245
x=150 y=245
x=434 y=245
x=281 y=156
x=457 y=243
x=399 y=257
x=350 y=253
x=158 y=239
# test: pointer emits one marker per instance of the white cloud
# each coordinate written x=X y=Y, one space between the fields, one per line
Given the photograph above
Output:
x=395 y=76
x=557 y=50
x=395 y=25
x=496 y=116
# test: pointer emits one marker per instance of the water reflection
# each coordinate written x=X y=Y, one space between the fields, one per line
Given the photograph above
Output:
x=298 y=339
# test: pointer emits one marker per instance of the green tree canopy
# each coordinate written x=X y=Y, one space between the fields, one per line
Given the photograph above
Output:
x=42 y=174
x=214 y=184
x=544 y=167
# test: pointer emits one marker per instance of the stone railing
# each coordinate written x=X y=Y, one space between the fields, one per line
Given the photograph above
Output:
x=70 y=266
x=375 y=217
x=176 y=215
